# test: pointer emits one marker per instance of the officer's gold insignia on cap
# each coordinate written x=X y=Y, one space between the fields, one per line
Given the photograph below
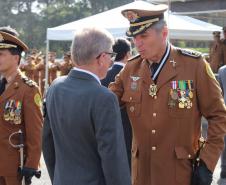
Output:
x=131 y=16
x=37 y=100
x=143 y=18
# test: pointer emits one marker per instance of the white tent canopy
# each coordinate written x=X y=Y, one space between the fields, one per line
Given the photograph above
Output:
x=181 y=27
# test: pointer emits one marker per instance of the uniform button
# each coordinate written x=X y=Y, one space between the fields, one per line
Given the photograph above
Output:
x=130 y=98
x=154 y=114
x=153 y=131
x=189 y=156
x=131 y=108
x=153 y=148
x=155 y=97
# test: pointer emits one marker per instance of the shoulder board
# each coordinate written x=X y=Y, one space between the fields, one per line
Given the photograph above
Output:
x=28 y=81
x=190 y=53
x=135 y=57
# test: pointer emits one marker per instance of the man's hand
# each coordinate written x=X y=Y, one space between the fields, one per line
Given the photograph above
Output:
x=202 y=175
x=28 y=173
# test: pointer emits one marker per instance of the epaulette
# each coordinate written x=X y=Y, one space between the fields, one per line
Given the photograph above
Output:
x=28 y=81
x=189 y=53
x=135 y=57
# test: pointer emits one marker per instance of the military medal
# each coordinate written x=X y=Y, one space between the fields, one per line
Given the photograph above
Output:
x=155 y=73
x=190 y=84
x=181 y=105
x=134 y=84
x=153 y=90
x=182 y=94
x=17 y=119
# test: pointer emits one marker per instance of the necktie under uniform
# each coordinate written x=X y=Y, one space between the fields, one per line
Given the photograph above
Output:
x=3 y=83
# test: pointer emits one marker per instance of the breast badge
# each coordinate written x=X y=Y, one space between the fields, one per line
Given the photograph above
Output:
x=134 y=83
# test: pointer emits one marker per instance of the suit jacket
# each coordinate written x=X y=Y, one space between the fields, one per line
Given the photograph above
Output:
x=222 y=80
x=20 y=109
x=83 y=140
x=166 y=130
x=110 y=77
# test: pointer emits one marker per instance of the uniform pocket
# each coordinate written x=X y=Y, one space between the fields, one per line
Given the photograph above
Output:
x=183 y=165
x=133 y=102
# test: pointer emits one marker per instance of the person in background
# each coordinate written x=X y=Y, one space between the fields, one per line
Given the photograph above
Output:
x=166 y=91
x=216 y=52
x=83 y=140
x=20 y=114
x=222 y=81
x=123 y=49
x=223 y=40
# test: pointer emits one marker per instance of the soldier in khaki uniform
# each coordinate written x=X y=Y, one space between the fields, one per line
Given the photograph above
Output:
x=216 y=53
x=29 y=67
x=166 y=90
x=66 y=65
x=53 y=67
x=20 y=113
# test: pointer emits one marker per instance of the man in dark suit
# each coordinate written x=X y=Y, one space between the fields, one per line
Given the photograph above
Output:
x=123 y=48
x=83 y=141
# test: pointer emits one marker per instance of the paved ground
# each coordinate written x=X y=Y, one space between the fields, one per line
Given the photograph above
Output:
x=44 y=180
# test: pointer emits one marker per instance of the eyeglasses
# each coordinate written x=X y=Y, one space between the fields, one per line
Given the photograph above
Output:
x=112 y=55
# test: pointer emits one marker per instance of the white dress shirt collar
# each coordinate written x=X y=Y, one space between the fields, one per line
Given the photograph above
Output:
x=88 y=72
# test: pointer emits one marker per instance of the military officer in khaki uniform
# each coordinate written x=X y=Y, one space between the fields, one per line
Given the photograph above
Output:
x=166 y=90
x=20 y=114
x=216 y=52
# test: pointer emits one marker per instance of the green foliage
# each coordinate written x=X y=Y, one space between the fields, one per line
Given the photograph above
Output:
x=31 y=18
x=202 y=50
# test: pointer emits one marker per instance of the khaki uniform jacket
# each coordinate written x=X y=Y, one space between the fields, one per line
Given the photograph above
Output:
x=25 y=92
x=216 y=56
x=65 y=68
x=165 y=138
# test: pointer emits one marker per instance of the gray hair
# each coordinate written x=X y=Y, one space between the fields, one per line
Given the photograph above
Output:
x=159 y=25
x=88 y=43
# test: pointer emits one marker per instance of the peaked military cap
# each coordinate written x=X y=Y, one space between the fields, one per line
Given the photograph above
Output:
x=142 y=19
x=8 y=41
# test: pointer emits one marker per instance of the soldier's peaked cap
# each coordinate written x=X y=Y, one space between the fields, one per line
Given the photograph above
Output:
x=141 y=19
x=8 y=41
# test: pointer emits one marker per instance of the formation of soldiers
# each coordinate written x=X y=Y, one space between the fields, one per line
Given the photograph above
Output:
x=217 y=54
x=34 y=67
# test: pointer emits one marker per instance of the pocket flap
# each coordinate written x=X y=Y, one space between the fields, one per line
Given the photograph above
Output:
x=183 y=153
x=130 y=96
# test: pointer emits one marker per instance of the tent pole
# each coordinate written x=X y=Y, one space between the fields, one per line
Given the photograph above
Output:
x=169 y=7
x=46 y=68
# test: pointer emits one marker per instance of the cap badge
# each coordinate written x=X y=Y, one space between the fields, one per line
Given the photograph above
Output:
x=131 y=16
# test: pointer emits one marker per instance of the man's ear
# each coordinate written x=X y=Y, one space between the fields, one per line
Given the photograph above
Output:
x=16 y=58
x=100 y=60
x=165 y=32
